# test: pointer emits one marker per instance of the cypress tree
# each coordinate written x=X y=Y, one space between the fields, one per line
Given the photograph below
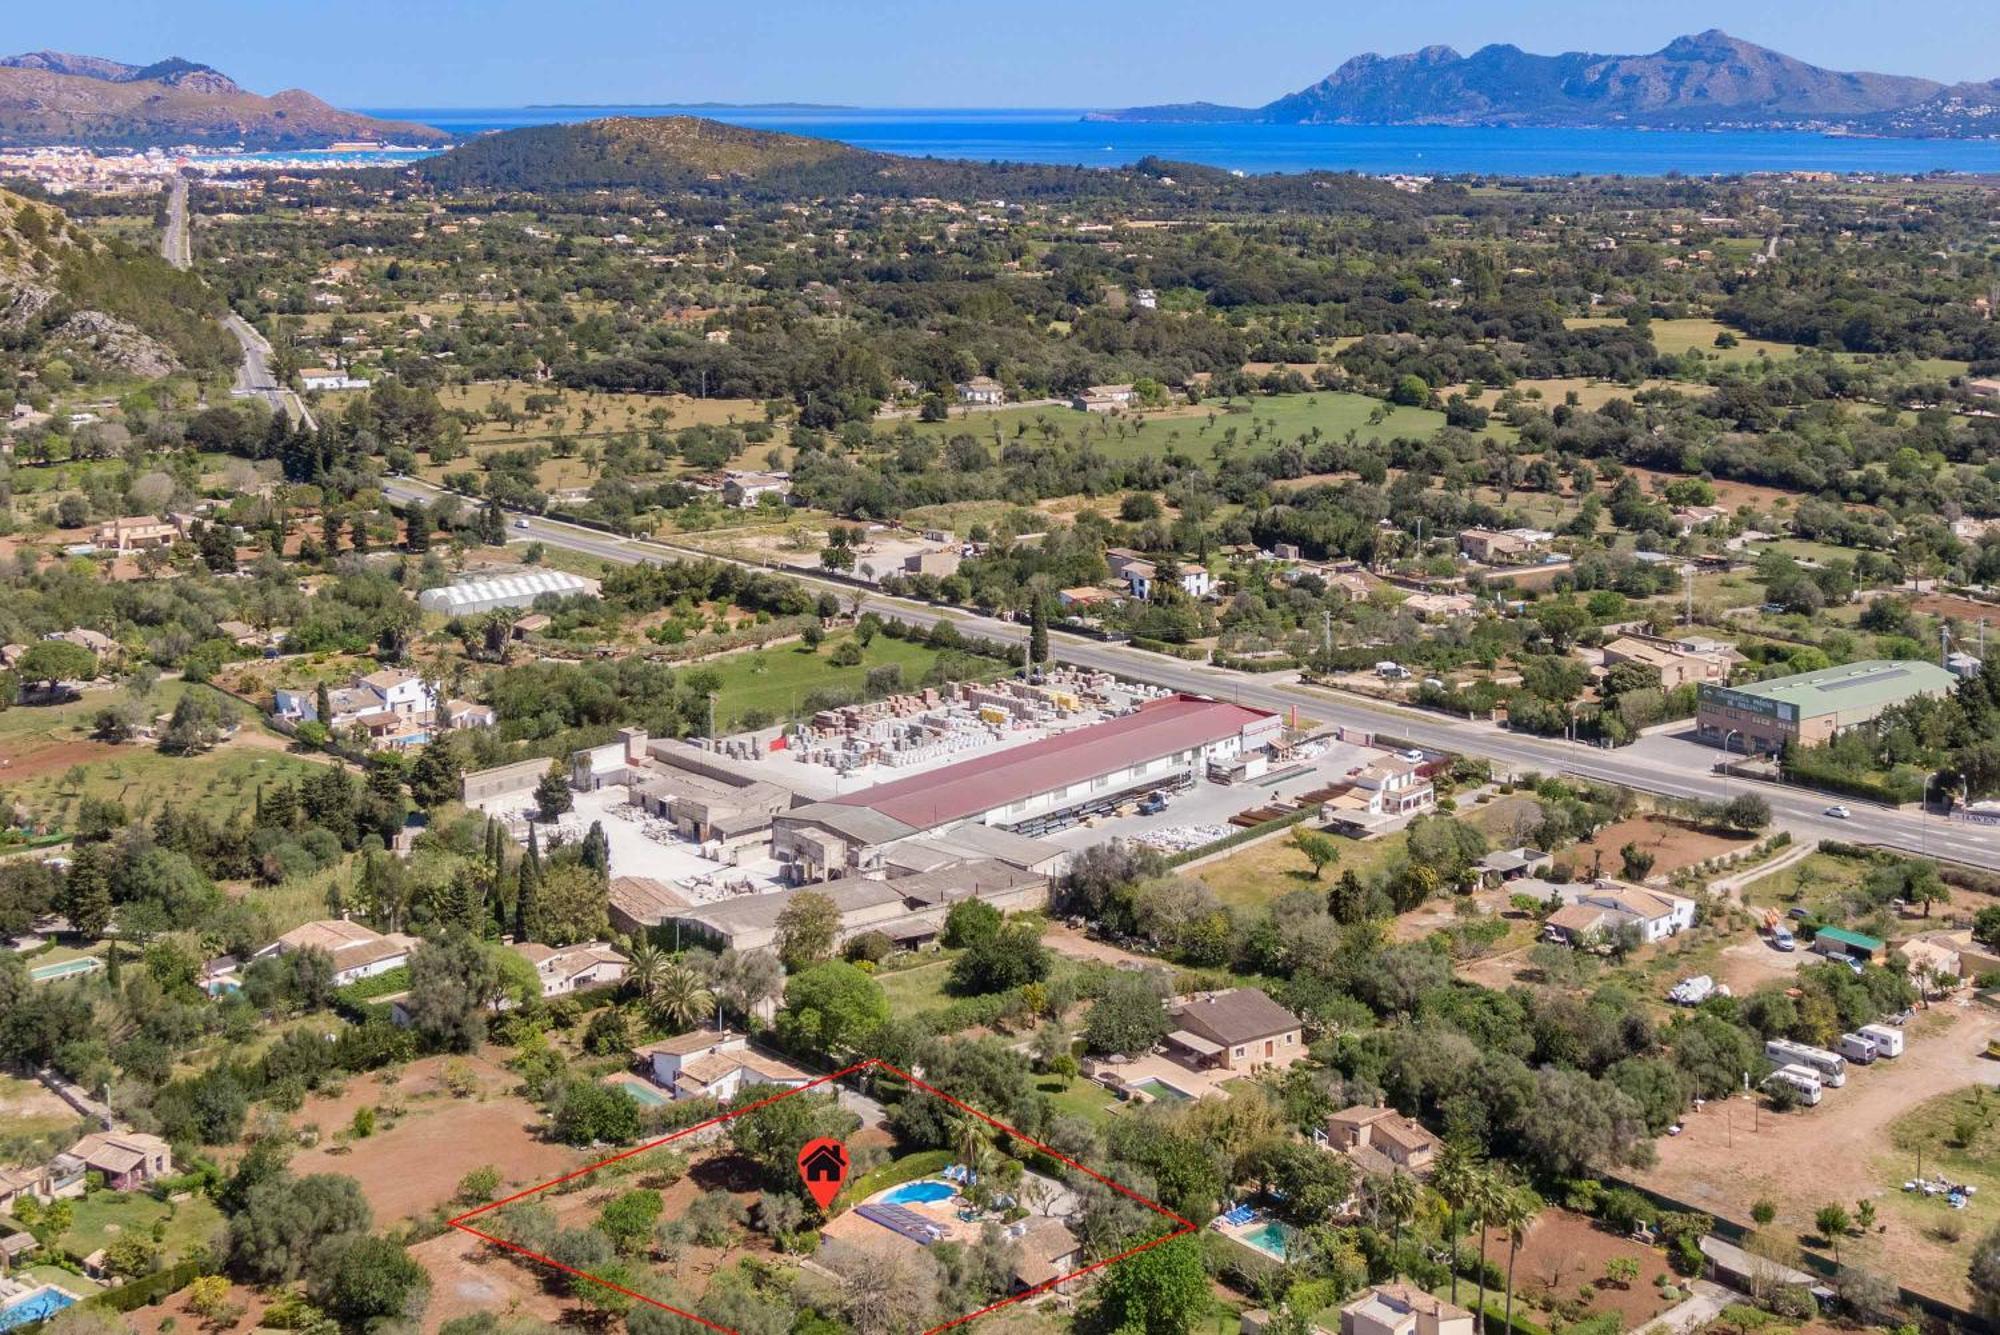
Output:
x=526 y=889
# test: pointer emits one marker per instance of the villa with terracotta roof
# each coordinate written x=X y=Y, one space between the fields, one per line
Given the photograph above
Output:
x=1402 y=1309
x=1379 y=1140
x=712 y=1064
x=568 y=969
x=1239 y=1030
x=358 y=951
x=128 y=1159
x=1594 y=909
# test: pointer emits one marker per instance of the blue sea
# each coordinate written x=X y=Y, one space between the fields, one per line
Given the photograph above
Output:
x=1063 y=136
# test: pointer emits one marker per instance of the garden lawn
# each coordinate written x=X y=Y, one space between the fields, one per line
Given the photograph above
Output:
x=1080 y=1098
x=103 y=1217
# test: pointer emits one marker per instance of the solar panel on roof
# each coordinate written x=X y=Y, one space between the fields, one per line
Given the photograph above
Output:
x=903 y=1220
x=1862 y=679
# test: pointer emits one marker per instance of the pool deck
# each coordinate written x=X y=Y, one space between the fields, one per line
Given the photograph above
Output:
x=1240 y=1233
x=1195 y=1084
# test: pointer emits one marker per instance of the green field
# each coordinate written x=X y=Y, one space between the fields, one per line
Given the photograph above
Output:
x=775 y=682
x=1271 y=870
x=105 y=1216
x=917 y=989
x=41 y=745
x=1218 y=427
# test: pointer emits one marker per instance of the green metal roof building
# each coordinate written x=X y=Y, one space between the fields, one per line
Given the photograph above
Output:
x=1840 y=941
x=1811 y=707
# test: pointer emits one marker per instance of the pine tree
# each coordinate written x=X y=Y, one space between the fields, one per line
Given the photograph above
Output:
x=86 y=892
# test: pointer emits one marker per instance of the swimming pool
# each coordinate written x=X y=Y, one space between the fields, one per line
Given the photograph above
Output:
x=1160 y=1089
x=40 y=1305
x=66 y=969
x=640 y=1092
x=911 y=1193
x=1268 y=1236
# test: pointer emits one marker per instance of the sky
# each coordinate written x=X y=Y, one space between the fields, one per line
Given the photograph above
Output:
x=933 y=53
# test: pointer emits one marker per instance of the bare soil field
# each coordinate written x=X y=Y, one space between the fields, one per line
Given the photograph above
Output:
x=31 y=757
x=1564 y=1251
x=1731 y=1154
x=172 y=1313
x=1728 y=494
x=414 y=1160
x=1672 y=846
x=1962 y=609
x=469 y=1276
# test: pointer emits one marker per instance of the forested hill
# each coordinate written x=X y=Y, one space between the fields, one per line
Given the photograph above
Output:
x=687 y=154
x=121 y=309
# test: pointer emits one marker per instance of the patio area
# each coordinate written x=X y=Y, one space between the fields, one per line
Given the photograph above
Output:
x=1163 y=1079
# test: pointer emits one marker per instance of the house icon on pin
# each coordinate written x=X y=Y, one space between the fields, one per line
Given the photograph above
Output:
x=827 y=1163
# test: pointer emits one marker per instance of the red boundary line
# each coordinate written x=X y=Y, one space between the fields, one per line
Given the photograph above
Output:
x=1185 y=1226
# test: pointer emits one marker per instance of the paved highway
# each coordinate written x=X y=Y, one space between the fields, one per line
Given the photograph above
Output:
x=253 y=375
x=1661 y=766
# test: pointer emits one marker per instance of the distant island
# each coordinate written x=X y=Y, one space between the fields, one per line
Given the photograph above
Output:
x=1707 y=81
x=690 y=106
x=54 y=97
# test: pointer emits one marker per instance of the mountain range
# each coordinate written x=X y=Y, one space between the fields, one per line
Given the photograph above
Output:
x=1709 y=80
x=53 y=97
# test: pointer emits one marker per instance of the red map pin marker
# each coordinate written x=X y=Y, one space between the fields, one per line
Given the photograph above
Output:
x=823 y=1168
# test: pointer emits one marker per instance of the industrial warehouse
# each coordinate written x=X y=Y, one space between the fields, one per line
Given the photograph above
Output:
x=1811 y=707
x=899 y=808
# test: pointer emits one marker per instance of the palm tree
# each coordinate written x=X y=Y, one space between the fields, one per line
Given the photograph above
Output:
x=1518 y=1209
x=1488 y=1201
x=1454 y=1180
x=1397 y=1197
x=680 y=1002
x=645 y=965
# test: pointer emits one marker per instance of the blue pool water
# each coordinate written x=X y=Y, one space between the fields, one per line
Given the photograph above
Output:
x=1160 y=1089
x=640 y=1093
x=37 y=1306
x=914 y=1192
x=1269 y=1237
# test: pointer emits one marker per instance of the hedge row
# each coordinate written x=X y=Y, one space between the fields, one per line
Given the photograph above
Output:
x=1242 y=836
x=1182 y=651
x=909 y=1168
x=1892 y=791
x=1285 y=663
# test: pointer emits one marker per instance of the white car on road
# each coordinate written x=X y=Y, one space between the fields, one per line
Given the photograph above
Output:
x=1837 y=812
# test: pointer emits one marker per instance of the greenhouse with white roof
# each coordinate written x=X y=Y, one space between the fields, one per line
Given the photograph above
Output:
x=516 y=590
